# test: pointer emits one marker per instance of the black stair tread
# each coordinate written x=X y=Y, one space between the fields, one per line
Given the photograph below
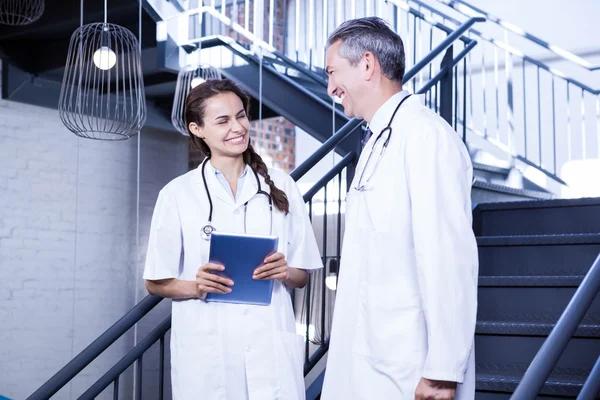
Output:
x=528 y=204
x=491 y=168
x=505 y=378
x=533 y=240
x=495 y=187
x=587 y=329
x=530 y=280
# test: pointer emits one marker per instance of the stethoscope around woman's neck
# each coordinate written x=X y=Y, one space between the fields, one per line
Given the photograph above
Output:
x=208 y=229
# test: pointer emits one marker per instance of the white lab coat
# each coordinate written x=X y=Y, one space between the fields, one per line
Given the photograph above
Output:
x=406 y=296
x=230 y=351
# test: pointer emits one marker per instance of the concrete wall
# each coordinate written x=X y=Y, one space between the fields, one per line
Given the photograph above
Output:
x=68 y=256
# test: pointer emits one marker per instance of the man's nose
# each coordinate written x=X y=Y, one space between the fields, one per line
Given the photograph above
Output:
x=331 y=87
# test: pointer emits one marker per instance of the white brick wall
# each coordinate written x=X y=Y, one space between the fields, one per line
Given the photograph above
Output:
x=67 y=242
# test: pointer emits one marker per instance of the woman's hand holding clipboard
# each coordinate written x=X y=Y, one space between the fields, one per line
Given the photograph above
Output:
x=275 y=267
x=208 y=282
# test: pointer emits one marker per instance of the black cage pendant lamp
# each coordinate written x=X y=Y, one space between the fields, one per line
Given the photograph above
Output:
x=188 y=78
x=102 y=95
x=20 y=12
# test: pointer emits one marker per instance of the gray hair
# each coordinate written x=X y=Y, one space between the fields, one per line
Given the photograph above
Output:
x=371 y=34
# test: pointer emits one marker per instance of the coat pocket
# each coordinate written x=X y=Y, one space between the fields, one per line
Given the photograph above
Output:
x=390 y=324
x=376 y=205
x=290 y=365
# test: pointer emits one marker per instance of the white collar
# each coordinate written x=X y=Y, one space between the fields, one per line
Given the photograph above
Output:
x=382 y=116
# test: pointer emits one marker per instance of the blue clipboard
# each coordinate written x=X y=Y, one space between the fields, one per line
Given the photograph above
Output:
x=241 y=254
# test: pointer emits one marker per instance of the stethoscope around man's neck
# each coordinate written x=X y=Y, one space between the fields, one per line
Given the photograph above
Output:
x=208 y=229
x=361 y=186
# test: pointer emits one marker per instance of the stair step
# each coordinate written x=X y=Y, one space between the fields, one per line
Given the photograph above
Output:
x=580 y=353
x=539 y=240
x=531 y=281
x=485 y=192
x=591 y=330
x=539 y=204
x=537 y=217
x=506 y=377
x=538 y=303
x=537 y=255
x=491 y=168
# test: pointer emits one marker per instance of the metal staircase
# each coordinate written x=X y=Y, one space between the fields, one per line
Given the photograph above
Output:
x=534 y=255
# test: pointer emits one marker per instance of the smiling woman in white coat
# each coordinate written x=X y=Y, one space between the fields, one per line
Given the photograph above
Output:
x=406 y=302
x=223 y=350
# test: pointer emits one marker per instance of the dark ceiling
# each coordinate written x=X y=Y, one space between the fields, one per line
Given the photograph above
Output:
x=34 y=55
x=42 y=45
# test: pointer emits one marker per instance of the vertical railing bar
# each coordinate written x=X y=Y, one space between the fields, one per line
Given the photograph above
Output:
x=325 y=28
x=583 y=135
x=539 y=90
x=235 y=16
x=323 y=287
x=598 y=124
x=508 y=69
x=554 y=126
x=497 y=83
x=465 y=101
x=420 y=49
x=455 y=87
x=436 y=98
x=271 y=20
x=469 y=66
x=414 y=49
x=139 y=365
x=247 y=16
x=297 y=36
x=307 y=297
x=339 y=227
x=430 y=49
x=161 y=368
x=483 y=84
x=311 y=31
x=568 y=121
x=116 y=389
x=524 y=111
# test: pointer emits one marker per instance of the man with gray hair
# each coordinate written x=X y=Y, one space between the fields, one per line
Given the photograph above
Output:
x=406 y=301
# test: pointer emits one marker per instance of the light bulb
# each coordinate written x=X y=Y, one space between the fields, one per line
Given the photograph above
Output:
x=331 y=282
x=197 y=81
x=105 y=58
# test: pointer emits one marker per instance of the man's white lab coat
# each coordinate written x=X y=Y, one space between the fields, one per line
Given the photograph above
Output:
x=407 y=292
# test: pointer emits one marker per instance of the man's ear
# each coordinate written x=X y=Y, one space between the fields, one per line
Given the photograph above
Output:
x=370 y=62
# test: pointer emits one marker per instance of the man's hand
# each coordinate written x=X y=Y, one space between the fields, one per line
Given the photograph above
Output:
x=435 y=390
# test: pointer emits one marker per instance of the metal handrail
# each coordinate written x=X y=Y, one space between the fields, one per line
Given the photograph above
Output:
x=127 y=360
x=562 y=53
x=438 y=77
x=540 y=368
x=502 y=46
x=344 y=162
x=325 y=148
x=89 y=354
x=591 y=387
x=316 y=357
x=445 y=44
x=294 y=65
